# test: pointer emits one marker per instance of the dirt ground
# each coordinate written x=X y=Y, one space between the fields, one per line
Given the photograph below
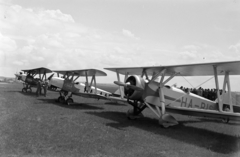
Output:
x=38 y=126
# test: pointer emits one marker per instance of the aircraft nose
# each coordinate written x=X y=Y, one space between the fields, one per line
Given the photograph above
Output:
x=57 y=82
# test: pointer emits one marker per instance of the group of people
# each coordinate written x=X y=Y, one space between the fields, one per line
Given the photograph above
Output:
x=41 y=85
x=210 y=94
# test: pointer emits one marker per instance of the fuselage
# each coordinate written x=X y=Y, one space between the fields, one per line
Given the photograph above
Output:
x=175 y=97
x=30 y=80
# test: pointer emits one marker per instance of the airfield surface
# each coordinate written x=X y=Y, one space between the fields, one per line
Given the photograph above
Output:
x=38 y=126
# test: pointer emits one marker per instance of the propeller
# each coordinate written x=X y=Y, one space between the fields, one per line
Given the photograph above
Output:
x=128 y=85
x=18 y=76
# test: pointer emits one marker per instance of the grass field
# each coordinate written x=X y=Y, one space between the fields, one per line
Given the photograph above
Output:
x=38 y=126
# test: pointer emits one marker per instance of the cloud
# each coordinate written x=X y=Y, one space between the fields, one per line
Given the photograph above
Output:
x=18 y=63
x=129 y=34
x=56 y=14
x=191 y=47
x=32 y=37
x=197 y=53
x=7 y=44
x=235 y=48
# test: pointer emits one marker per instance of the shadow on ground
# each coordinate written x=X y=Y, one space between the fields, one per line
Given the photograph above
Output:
x=203 y=120
x=115 y=103
x=79 y=106
x=217 y=142
x=13 y=91
x=30 y=94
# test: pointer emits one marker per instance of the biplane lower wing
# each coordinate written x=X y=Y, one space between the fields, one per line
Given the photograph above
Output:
x=204 y=113
x=89 y=95
x=144 y=91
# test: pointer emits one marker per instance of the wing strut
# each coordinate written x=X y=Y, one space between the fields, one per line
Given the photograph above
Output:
x=39 y=74
x=44 y=74
x=126 y=76
x=165 y=119
x=161 y=94
x=86 y=81
x=93 y=79
x=76 y=78
x=95 y=84
x=158 y=74
x=227 y=83
x=144 y=73
x=120 y=88
x=220 y=103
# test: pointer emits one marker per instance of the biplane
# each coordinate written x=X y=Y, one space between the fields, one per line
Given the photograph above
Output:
x=141 y=90
x=70 y=86
x=30 y=77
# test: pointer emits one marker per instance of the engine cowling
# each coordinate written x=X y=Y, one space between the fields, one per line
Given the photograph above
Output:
x=136 y=81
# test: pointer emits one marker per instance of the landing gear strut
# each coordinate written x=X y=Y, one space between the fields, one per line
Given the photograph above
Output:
x=27 y=89
x=225 y=120
x=69 y=100
x=62 y=98
x=24 y=90
x=136 y=112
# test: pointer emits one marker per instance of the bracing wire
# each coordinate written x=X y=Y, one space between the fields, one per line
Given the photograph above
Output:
x=192 y=86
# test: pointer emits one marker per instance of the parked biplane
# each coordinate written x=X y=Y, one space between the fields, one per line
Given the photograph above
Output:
x=142 y=91
x=30 y=77
x=69 y=85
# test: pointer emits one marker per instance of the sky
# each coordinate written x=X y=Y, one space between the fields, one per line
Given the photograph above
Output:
x=80 y=34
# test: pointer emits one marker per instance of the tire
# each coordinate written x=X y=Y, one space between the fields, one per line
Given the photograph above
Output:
x=24 y=90
x=69 y=101
x=29 y=90
x=61 y=99
x=130 y=115
x=225 y=120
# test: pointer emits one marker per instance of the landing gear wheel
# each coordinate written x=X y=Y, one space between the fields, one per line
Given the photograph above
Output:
x=161 y=122
x=167 y=120
x=225 y=120
x=132 y=116
x=61 y=99
x=29 y=90
x=24 y=90
x=69 y=101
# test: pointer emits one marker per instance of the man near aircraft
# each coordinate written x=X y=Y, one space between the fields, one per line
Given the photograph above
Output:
x=38 y=88
x=45 y=87
x=85 y=88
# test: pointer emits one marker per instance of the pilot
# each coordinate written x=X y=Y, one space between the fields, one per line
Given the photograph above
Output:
x=45 y=87
x=85 y=88
x=38 y=91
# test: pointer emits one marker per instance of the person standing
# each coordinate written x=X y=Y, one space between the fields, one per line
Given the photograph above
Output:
x=45 y=88
x=38 y=88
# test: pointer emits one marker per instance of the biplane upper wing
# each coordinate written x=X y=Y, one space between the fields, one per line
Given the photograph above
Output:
x=201 y=69
x=82 y=72
x=40 y=70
